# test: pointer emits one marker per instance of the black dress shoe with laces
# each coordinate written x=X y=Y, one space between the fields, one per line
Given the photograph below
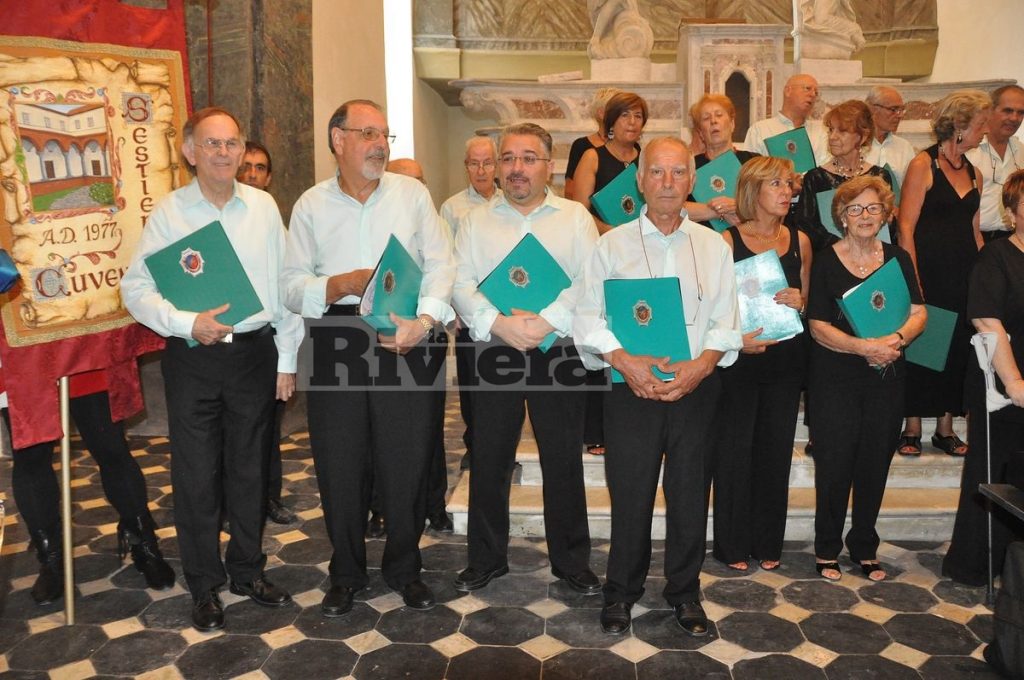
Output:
x=691 y=618
x=278 y=513
x=337 y=601
x=207 y=612
x=417 y=595
x=470 y=579
x=262 y=592
x=616 y=618
x=585 y=582
x=375 y=527
x=442 y=522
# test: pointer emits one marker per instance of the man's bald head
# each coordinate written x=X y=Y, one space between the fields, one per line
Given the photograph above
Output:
x=407 y=167
x=799 y=96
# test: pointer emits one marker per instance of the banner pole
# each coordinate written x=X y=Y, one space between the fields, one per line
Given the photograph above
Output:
x=65 y=502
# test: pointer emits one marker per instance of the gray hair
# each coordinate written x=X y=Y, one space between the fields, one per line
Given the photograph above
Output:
x=529 y=129
x=877 y=93
x=481 y=139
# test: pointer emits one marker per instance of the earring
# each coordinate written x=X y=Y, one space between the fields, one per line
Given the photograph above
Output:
x=959 y=136
x=611 y=134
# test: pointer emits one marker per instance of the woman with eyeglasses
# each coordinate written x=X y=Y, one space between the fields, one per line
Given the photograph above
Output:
x=625 y=116
x=939 y=227
x=587 y=142
x=856 y=384
x=756 y=416
x=850 y=130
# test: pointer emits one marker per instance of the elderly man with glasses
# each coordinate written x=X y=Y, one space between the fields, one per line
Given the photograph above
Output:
x=998 y=156
x=887 y=148
x=220 y=393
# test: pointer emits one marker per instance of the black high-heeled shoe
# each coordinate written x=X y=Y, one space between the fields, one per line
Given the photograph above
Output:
x=135 y=535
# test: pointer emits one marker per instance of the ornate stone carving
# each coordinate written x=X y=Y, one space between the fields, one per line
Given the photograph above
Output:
x=619 y=30
x=827 y=29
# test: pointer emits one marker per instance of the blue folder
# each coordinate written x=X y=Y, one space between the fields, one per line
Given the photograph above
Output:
x=758 y=279
x=619 y=201
x=394 y=286
x=717 y=178
x=880 y=304
x=794 y=145
x=646 y=317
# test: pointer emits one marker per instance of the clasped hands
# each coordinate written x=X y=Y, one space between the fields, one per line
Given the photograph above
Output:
x=638 y=373
x=880 y=352
x=523 y=330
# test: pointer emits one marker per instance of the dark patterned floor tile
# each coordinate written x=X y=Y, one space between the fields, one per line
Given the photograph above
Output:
x=760 y=632
x=588 y=664
x=300 y=502
x=81 y=535
x=374 y=588
x=845 y=633
x=983 y=627
x=111 y=605
x=401 y=661
x=151 y=459
x=96 y=566
x=900 y=597
x=138 y=652
x=20 y=605
x=931 y=634
x=169 y=547
x=864 y=666
x=26 y=675
x=130 y=577
x=306 y=486
x=681 y=666
x=917 y=546
x=56 y=647
x=893 y=571
x=956 y=668
x=498 y=662
x=374 y=552
x=775 y=666
x=172 y=613
x=89 y=492
x=290 y=467
x=19 y=564
x=820 y=596
x=957 y=593
x=12 y=631
x=653 y=597
x=158 y=479
x=308 y=551
x=165 y=500
x=443 y=585
x=580 y=628
x=513 y=590
x=526 y=559
x=418 y=627
x=659 y=628
x=560 y=590
x=311 y=660
x=931 y=561
x=746 y=595
x=225 y=656
x=248 y=618
x=508 y=626
x=163 y=517
x=162 y=448
x=315 y=625
x=444 y=557
x=721 y=570
x=296 y=578
x=83 y=471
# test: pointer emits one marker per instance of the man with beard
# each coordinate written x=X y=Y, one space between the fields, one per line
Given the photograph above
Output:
x=338 y=231
x=486 y=236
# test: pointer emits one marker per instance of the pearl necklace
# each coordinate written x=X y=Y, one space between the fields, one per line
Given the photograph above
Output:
x=849 y=172
x=864 y=270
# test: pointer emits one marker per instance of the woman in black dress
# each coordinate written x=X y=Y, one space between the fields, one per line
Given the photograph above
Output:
x=856 y=384
x=849 y=135
x=756 y=417
x=995 y=304
x=591 y=141
x=939 y=213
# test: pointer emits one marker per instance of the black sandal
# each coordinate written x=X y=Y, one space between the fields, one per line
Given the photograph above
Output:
x=949 y=443
x=833 y=565
x=910 y=445
x=869 y=568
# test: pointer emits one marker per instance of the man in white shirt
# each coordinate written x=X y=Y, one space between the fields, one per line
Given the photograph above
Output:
x=220 y=393
x=481 y=164
x=646 y=416
x=798 y=99
x=887 y=148
x=339 y=229
x=998 y=156
x=486 y=235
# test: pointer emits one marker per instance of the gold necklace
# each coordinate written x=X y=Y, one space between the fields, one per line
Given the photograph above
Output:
x=764 y=239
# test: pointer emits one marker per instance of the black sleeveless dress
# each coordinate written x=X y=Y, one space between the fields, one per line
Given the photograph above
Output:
x=946 y=251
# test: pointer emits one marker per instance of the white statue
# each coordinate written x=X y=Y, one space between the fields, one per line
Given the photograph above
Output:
x=826 y=29
x=619 y=30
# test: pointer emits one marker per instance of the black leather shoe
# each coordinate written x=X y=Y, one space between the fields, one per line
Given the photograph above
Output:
x=616 y=618
x=691 y=618
x=375 y=527
x=136 y=535
x=337 y=601
x=417 y=595
x=207 y=612
x=278 y=514
x=261 y=591
x=470 y=579
x=585 y=582
x=442 y=521
x=49 y=585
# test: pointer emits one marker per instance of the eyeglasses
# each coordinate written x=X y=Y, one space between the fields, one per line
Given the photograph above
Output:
x=212 y=145
x=855 y=209
x=371 y=134
x=476 y=165
x=529 y=160
x=895 y=110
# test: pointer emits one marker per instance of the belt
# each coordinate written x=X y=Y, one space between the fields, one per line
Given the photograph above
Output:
x=265 y=329
x=342 y=310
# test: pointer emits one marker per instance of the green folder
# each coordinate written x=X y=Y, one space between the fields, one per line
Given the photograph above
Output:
x=717 y=178
x=880 y=304
x=646 y=317
x=201 y=272
x=895 y=184
x=794 y=145
x=825 y=212
x=931 y=348
x=620 y=200
x=529 y=278
x=758 y=279
x=394 y=286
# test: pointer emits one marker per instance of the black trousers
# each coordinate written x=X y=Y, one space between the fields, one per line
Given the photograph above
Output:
x=34 y=482
x=855 y=429
x=465 y=370
x=220 y=409
x=638 y=434
x=557 y=419
x=274 y=476
x=749 y=465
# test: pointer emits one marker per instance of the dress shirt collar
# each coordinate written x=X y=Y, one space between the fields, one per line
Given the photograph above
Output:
x=786 y=121
x=545 y=206
x=1011 y=147
x=648 y=227
x=474 y=194
x=192 y=194
x=383 y=184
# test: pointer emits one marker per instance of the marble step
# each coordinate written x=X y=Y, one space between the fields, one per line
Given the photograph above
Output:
x=907 y=513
